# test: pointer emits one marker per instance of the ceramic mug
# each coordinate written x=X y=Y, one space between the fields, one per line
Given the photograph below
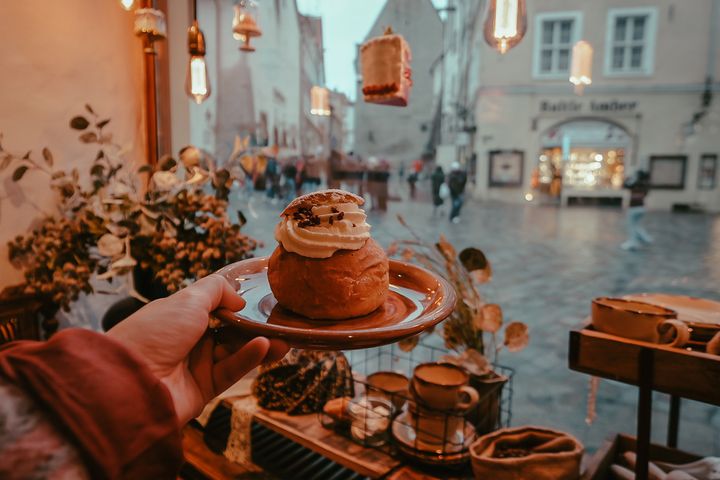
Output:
x=443 y=386
x=391 y=386
x=442 y=430
x=639 y=321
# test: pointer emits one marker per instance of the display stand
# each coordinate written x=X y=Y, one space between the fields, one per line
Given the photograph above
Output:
x=677 y=372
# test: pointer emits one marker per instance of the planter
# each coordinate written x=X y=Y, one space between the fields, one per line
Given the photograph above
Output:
x=526 y=453
x=486 y=416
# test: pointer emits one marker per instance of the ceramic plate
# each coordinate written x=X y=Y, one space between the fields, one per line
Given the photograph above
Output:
x=454 y=451
x=418 y=299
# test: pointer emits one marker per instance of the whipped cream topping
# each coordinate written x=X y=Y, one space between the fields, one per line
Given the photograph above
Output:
x=323 y=230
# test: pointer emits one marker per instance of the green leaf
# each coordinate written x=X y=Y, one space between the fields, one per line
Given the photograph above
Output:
x=19 y=172
x=89 y=108
x=79 y=123
x=145 y=168
x=88 y=137
x=47 y=156
x=97 y=170
x=102 y=123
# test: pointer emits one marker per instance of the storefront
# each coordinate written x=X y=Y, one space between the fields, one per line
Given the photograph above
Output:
x=581 y=159
x=568 y=149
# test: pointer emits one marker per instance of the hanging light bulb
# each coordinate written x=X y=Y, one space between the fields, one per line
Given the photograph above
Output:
x=127 y=4
x=245 y=24
x=197 y=84
x=505 y=23
x=581 y=66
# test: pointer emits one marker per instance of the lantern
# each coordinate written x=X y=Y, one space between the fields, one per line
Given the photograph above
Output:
x=505 y=24
x=319 y=101
x=245 y=25
x=150 y=22
x=581 y=66
x=386 y=72
x=197 y=84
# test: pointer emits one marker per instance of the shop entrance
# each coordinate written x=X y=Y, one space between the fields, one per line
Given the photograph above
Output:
x=582 y=160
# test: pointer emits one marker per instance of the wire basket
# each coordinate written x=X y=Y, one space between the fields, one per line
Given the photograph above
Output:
x=384 y=415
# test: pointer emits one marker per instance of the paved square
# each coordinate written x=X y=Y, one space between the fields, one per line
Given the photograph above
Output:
x=548 y=265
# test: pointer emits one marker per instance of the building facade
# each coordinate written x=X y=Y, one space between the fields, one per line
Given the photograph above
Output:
x=393 y=133
x=652 y=104
x=313 y=138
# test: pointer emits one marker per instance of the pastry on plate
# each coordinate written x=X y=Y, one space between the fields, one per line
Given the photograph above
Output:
x=326 y=265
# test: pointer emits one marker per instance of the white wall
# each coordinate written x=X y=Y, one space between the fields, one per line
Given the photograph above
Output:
x=56 y=57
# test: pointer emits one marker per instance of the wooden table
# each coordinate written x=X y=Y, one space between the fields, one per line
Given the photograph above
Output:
x=205 y=461
x=307 y=431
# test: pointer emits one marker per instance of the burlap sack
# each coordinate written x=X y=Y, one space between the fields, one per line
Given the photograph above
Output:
x=526 y=453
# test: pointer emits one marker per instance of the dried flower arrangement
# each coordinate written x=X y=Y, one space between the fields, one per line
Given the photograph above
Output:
x=178 y=227
x=473 y=327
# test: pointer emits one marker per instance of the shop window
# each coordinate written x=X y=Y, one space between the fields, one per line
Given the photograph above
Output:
x=555 y=35
x=630 y=41
x=582 y=157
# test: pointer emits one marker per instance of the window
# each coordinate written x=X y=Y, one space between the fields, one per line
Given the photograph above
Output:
x=555 y=35
x=630 y=41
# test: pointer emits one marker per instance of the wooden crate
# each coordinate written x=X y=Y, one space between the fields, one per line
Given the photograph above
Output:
x=675 y=371
x=598 y=467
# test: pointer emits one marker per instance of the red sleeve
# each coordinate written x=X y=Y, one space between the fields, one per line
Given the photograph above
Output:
x=120 y=416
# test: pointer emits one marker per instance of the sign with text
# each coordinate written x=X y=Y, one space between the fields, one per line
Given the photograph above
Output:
x=589 y=106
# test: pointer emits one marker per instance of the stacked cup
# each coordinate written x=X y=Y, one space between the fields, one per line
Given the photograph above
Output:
x=441 y=397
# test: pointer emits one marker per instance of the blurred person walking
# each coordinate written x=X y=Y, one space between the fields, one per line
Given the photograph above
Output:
x=290 y=173
x=639 y=186
x=456 y=182
x=412 y=181
x=272 y=178
x=438 y=180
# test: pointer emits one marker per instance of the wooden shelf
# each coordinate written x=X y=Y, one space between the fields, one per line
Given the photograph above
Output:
x=675 y=371
x=610 y=453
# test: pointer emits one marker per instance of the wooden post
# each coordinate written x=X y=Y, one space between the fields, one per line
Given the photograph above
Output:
x=644 y=416
x=151 y=122
x=673 y=421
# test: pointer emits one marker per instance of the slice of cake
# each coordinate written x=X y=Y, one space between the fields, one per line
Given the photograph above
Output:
x=385 y=63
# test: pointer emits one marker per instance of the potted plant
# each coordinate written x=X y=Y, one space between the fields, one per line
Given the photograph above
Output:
x=163 y=231
x=473 y=328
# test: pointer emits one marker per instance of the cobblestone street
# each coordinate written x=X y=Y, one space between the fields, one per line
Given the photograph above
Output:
x=548 y=265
